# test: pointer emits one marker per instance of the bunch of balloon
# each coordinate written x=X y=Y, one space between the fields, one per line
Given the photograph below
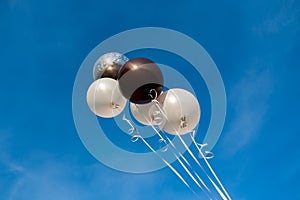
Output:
x=174 y=111
x=141 y=82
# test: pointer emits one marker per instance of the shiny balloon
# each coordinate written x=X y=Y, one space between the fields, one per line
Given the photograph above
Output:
x=181 y=110
x=140 y=80
x=108 y=65
x=141 y=112
x=104 y=98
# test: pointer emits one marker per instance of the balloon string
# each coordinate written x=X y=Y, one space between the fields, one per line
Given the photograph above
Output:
x=208 y=154
x=132 y=127
x=185 y=160
x=189 y=151
x=208 y=165
x=198 y=163
x=170 y=166
x=157 y=119
x=210 y=168
x=162 y=112
x=138 y=136
x=181 y=163
x=165 y=147
x=157 y=104
x=161 y=139
x=206 y=190
x=218 y=189
x=155 y=92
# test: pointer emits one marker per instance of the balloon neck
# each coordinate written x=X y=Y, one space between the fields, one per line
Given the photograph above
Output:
x=114 y=105
x=157 y=119
x=183 y=122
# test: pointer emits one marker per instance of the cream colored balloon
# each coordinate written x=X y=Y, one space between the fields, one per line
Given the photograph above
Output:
x=181 y=109
x=141 y=112
x=105 y=99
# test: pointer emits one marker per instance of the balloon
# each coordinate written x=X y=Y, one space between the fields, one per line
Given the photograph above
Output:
x=104 y=98
x=142 y=112
x=140 y=80
x=108 y=65
x=181 y=110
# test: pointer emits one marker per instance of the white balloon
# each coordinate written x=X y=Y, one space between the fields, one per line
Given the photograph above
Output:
x=141 y=112
x=181 y=109
x=147 y=114
x=105 y=99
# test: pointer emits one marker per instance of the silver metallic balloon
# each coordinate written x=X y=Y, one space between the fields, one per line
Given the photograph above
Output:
x=108 y=65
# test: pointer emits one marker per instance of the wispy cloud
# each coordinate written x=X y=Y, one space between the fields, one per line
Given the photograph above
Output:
x=275 y=22
x=10 y=170
x=5 y=159
x=46 y=177
x=43 y=175
x=58 y=180
x=248 y=101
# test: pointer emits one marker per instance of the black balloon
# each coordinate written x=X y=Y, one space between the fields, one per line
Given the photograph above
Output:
x=140 y=80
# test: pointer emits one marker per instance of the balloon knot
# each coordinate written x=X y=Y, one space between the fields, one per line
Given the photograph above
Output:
x=183 y=122
x=115 y=105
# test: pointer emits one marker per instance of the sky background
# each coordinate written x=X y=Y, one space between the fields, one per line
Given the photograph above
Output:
x=255 y=45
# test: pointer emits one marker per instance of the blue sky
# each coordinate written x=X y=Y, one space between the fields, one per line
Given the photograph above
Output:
x=255 y=45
